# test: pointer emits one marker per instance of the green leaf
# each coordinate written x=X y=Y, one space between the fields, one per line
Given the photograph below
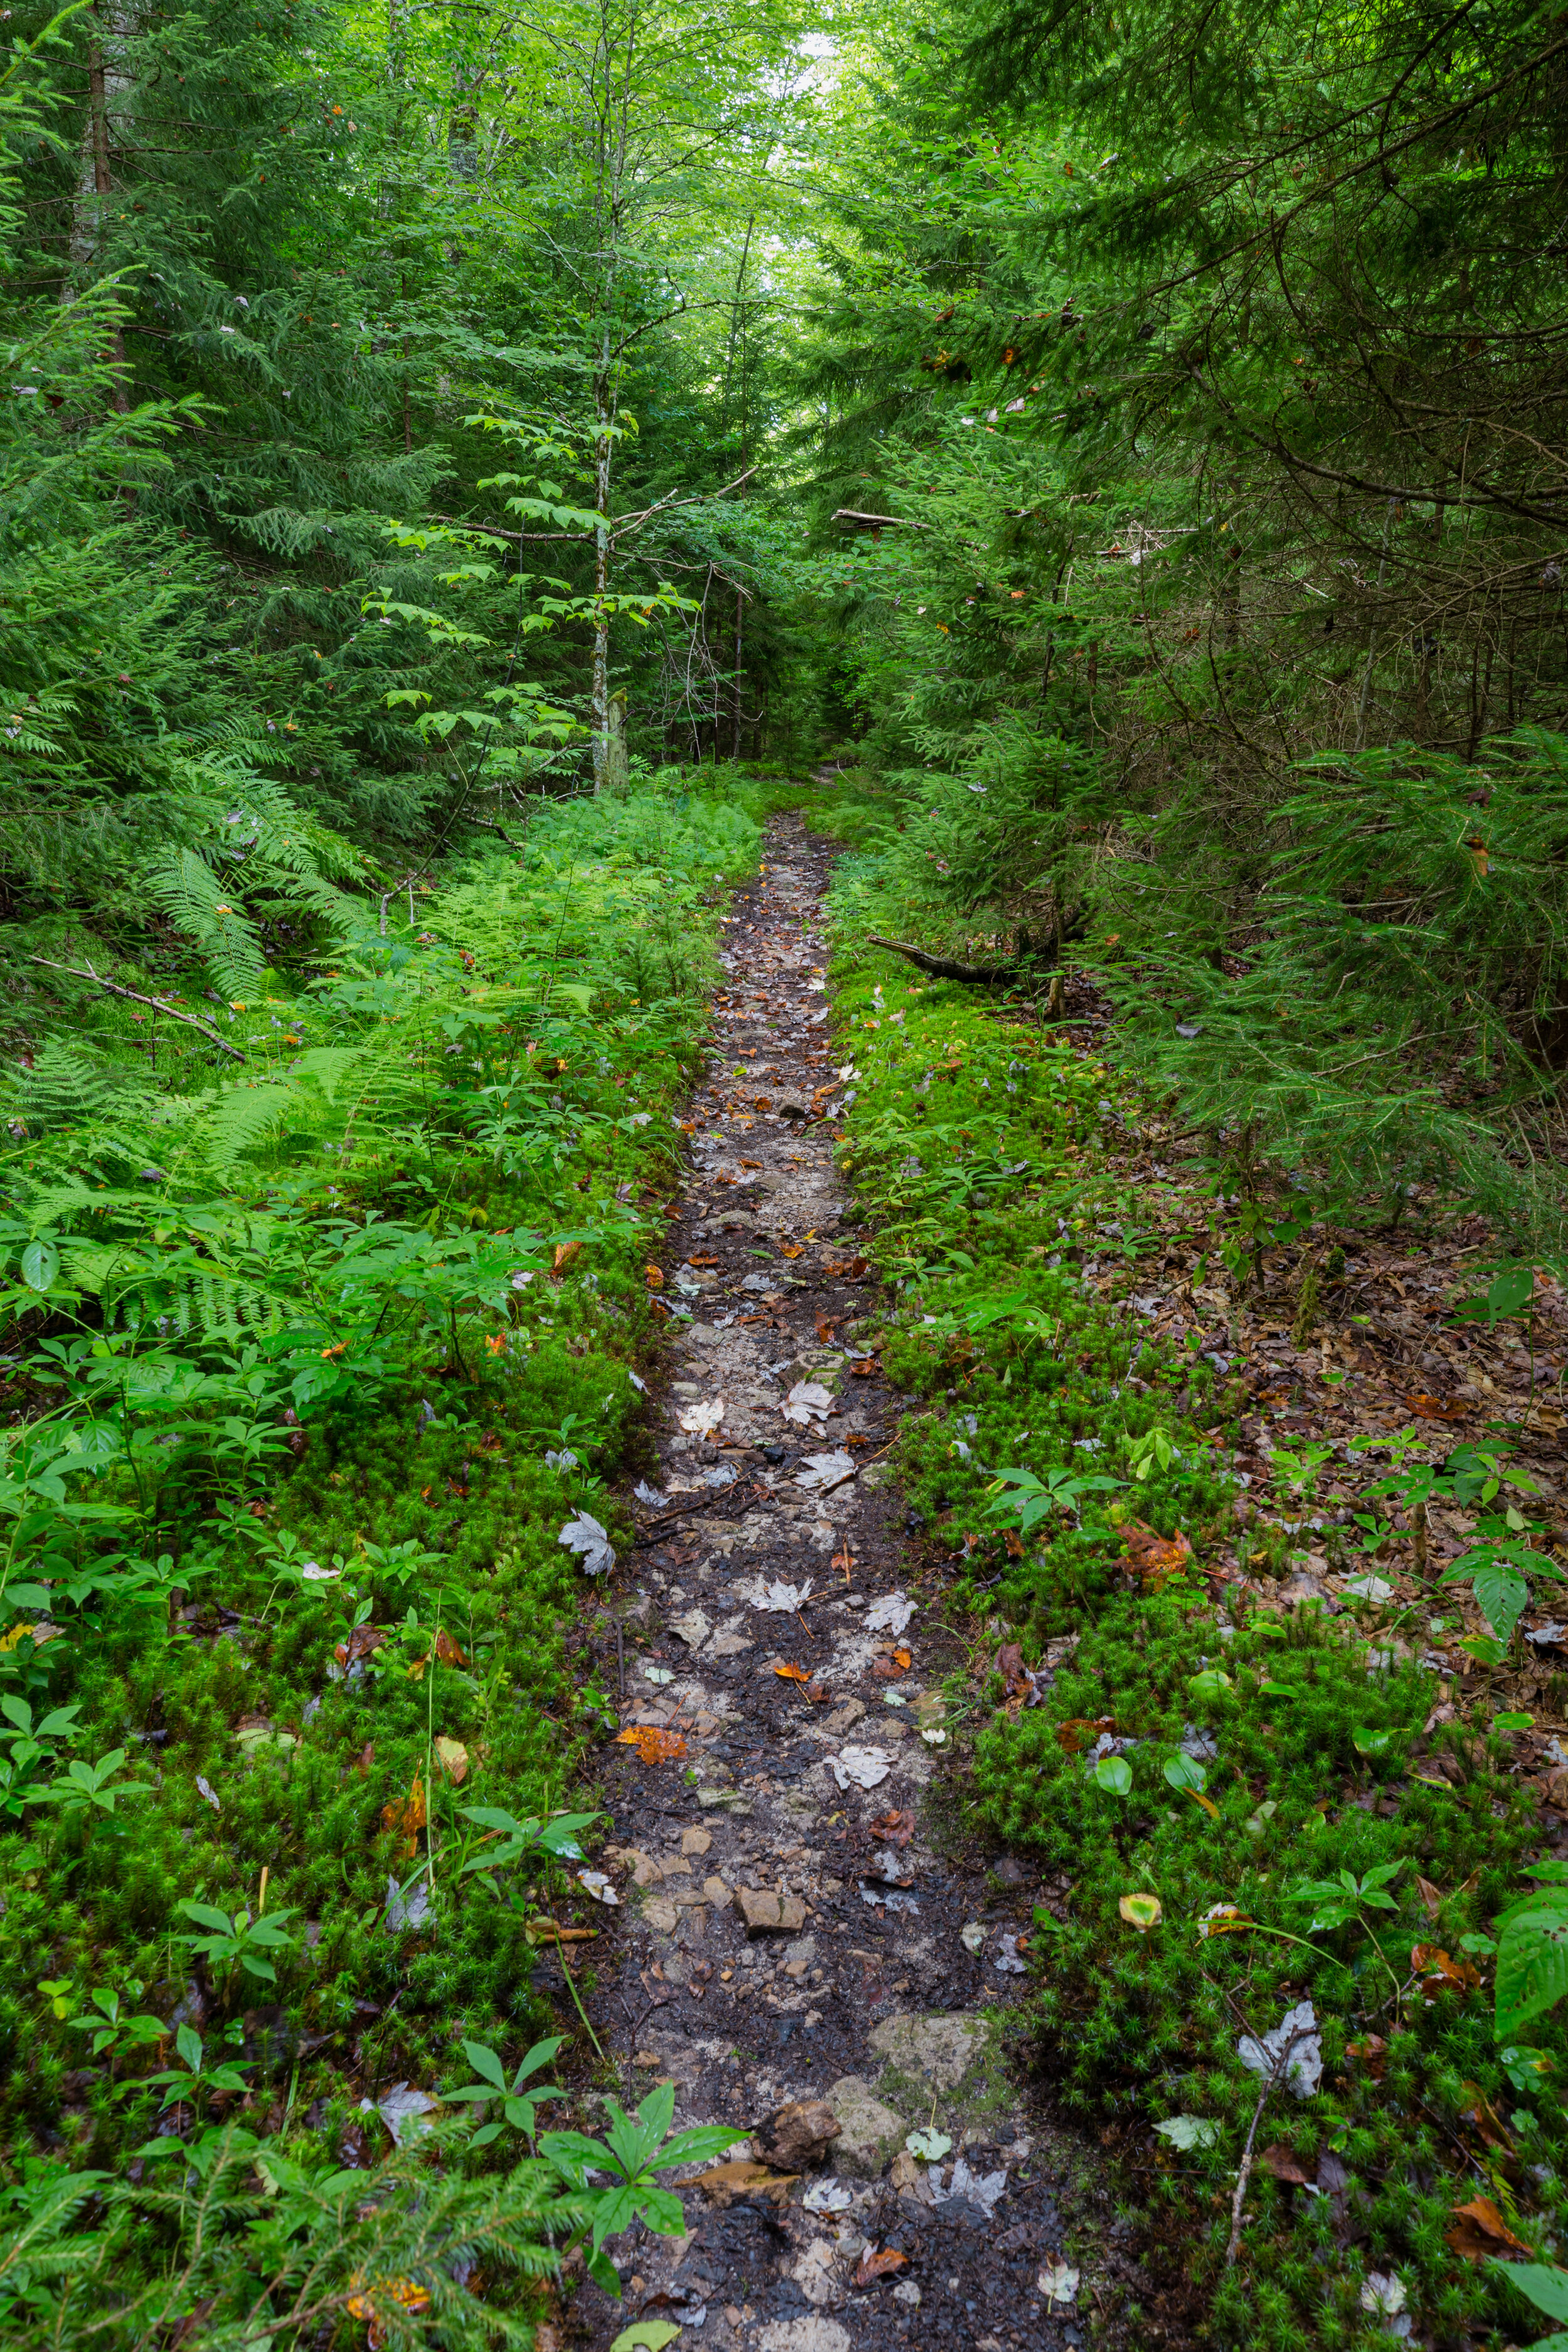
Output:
x=1531 y=1961
x=485 y=2063
x=1189 y=2131
x=645 y=2336
x=188 y=2042
x=1184 y=1772
x=1547 y=2287
x=40 y=1264
x=1114 y=1775
x=205 y=1915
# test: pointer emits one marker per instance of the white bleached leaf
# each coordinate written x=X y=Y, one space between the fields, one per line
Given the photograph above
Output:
x=698 y=1420
x=1304 y=2067
x=971 y=1935
x=828 y=2197
x=931 y=2147
x=314 y=1573
x=1367 y=1587
x=822 y=1471
x=406 y=1906
x=402 y=2111
x=936 y=1738
x=1059 y=2282
x=1007 y=1963
x=890 y=1614
x=862 y=1768
x=807 y=1402
x=206 y=1789
x=651 y=1496
x=638 y=1382
x=785 y=1598
x=596 y=1884
x=1384 y=2293
x=758 y=1282
x=1189 y=2131
x=584 y=1536
x=981 y=2189
x=562 y=1460
x=657 y=1675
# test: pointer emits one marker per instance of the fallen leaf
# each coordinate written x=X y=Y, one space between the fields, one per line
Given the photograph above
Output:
x=790 y=1249
x=1141 y=1911
x=1284 y=2165
x=703 y=1261
x=861 y=1767
x=454 y=1760
x=1156 y=1557
x=1431 y=1408
x=1439 y=1973
x=824 y=1325
x=793 y=1673
x=1081 y=1731
x=654 y=1277
x=565 y=1255
x=405 y=1818
x=585 y=1537
x=782 y=1600
x=864 y=1367
x=1059 y=2282
x=1478 y=2110
x=1370 y=2051
x=363 y=1642
x=402 y=2110
x=872 y=2266
x=1297 y=2030
x=742 y=2177
x=1225 y=1919
x=652 y=1746
x=1478 y=2230
x=823 y=1472
x=1431 y=1897
x=594 y=1883
x=368 y=2305
x=891 y=1614
x=892 y=1828
x=698 y=1419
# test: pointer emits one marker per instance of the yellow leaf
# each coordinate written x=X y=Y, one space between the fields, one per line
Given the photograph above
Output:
x=1141 y=1911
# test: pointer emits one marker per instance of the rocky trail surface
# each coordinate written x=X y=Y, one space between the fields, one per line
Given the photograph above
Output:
x=800 y=1947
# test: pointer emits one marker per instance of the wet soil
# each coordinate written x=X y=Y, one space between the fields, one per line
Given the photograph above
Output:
x=799 y=1921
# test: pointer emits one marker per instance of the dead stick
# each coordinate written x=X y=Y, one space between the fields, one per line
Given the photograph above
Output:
x=1244 y=2175
x=158 y=1004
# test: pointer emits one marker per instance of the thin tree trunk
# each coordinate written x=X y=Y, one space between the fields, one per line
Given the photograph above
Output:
x=600 y=698
x=740 y=680
x=95 y=185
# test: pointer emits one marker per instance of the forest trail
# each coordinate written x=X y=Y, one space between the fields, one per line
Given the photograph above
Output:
x=797 y=1935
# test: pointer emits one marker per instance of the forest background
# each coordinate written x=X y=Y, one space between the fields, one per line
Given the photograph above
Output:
x=459 y=439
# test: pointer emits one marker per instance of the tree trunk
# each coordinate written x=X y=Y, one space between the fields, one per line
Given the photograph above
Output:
x=105 y=83
x=740 y=679
x=600 y=698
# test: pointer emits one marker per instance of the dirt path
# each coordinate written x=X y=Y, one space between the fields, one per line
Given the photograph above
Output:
x=793 y=1938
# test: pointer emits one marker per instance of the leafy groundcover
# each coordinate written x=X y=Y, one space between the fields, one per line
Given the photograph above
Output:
x=1298 y=1933
x=322 y=1348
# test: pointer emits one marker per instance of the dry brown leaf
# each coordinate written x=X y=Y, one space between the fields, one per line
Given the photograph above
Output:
x=1431 y=1408
x=654 y=1277
x=742 y=2177
x=652 y=1746
x=454 y=1760
x=405 y=1818
x=892 y=1828
x=1478 y=2230
x=872 y=2266
x=791 y=1249
x=363 y=1642
x=566 y=1253
x=825 y=1329
x=1370 y=2051
x=1156 y=1557
x=1284 y=2165
x=1431 y=1897
x=1082 y=1731
x=1440 y=1973
x=1477 y=2110
x=865 y=1368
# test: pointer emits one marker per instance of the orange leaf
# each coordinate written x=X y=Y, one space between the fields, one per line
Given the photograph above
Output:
x=701 y=1261
x=652 y=1746
x=903 y=1659
x=1478 y=2230
x=825 y=1324
x=1156 y=1557
x=453 y=1758
x=865 y=1368
x=1370 y=2052
x=751 y=1163
x=654 y=1277
x=565 y=1252
x=791 y=1249
x=1431 y=1408
x=406 y=1820
x=892 y=1828
x=793 y=1673
x=1439 y=1973
x=872 y=2266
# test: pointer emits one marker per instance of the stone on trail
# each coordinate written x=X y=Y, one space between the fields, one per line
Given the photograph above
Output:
x=941 y=2049
x=869 y=2133
x=767 y=1912
x=797 y=2136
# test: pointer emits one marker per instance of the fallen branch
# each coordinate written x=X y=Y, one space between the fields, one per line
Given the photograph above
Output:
x=158 y=1004
x=983 y=975
x=1244 y=2175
